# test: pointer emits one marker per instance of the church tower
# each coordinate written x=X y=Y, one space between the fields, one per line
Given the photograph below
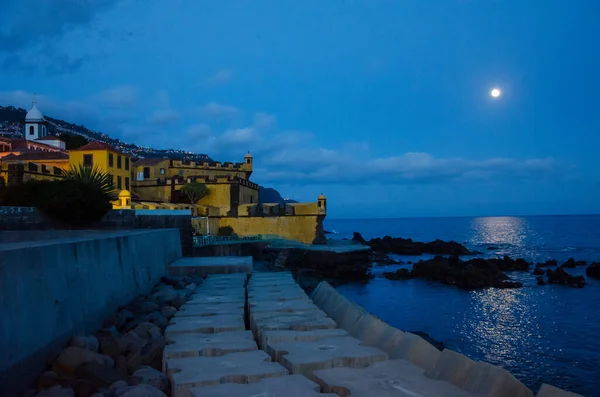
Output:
x=35 y=126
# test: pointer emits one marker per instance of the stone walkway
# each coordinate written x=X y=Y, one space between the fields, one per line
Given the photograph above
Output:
x=265 y=337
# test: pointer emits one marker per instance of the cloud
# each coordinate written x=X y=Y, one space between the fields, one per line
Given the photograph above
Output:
x=31 y=28
x=123 y=97
x=218 y=111
x=223 y=76
x=264 y=120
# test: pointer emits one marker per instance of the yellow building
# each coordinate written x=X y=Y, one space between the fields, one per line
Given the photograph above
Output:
x=108 y=159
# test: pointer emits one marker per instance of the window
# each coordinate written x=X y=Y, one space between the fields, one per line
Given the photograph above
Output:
x=139 y=176
x=31 y=130
x=119 y=186
x=88 y=160
x=111 y=160
x=162 y=171
x=126 y=183
x=111 y=179
x=127 y=163
x=146 y=172
x=44 y=130
x=118 y=161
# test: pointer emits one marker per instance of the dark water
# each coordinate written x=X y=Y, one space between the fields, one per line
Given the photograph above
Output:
x=547 y=334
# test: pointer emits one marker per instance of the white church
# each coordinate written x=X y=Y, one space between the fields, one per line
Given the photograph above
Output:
x=35 y=128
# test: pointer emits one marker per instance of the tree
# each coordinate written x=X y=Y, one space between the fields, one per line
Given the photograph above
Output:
x=92 y=176
x=2 y=182
x=73 y=141
x=194 y=191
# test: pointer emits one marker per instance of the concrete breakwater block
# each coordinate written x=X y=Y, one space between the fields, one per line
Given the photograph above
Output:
x=282 y=306
x=493 y=381
x=204 y=266
x=306 y=336
x=284 y=386
x=270 y=283
x=551 y=391
x=259 y=276
x=208 y=345
x=211 y=309
x=392 y=378
x=417 y=350
x=303 y=357
x=300 y=321
x=375 y=332
x=277 y=296
x=206 y=290
x=203 y=299
x=205 y=324
x=452 y=367
x=245 y=367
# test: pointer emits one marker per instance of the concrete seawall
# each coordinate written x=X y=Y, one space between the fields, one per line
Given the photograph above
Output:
x=476 y=377
x=54 y=288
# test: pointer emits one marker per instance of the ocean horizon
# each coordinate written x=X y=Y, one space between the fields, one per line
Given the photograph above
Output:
x=540 y=333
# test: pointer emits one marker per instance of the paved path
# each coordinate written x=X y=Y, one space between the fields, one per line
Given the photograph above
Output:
x=301 y=352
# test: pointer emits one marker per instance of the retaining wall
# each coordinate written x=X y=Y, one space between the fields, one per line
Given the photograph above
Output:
x=29 y=218
x=477 y=377
x=54 y=288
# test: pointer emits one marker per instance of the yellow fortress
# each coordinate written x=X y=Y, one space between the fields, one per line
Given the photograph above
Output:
x=155 y=184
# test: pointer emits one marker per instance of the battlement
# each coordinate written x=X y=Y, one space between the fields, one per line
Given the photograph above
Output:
x=213 y=166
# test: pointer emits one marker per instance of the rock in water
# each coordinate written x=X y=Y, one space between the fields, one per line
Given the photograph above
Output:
x=400 y=274
x=560 y=276
x=594 y=270
x=150 y=376
x=403 y=246
x=548 y=263
x=538 y=271
x=572 y=263
x=357 y=237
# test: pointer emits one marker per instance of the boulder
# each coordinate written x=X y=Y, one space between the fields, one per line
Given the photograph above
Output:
x=403 y=246
x=157 y=319
x=121 y=318
x=150 y=376
x=572 y=263
x=150 y=354
x=560 y=276
x=100 y=374
x=120 y=384
x=48 y=379
x=168 y=311
x=144 y=307
x=131 y=341
x=191 y=287
x=56 y=391
x=108 y=341
x=593 y=270
x=72 y=357
x=147 y=330
x=86 y=342
x=143 y=390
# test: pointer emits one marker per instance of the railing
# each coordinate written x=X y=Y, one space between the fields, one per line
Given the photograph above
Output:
x=205 y=241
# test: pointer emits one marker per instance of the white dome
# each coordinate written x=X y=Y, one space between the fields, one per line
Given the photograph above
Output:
x=34 y=114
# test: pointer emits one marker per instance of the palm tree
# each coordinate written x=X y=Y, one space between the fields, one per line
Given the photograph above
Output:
x=92 y=176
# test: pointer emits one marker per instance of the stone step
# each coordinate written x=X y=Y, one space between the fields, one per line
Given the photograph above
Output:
x=306 y=336
x=245 y=367
x=305 y=357
x=284 y=386
x=210 y=309
x=205 y=324
x=209 y=265
x=392 y=378
x=208 y=345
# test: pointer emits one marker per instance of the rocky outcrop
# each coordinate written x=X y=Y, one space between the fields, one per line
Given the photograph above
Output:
x=538 y=271
x=402 y=246
x=548 y=263
x=593 y=270
x=560 y=276
x=473 y=274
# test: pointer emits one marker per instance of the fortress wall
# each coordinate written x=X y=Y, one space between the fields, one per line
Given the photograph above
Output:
x=300 y=228
x=477 y=377
x=52 y=289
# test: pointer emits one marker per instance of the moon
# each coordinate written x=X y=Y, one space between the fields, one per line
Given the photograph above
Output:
x=495 y=92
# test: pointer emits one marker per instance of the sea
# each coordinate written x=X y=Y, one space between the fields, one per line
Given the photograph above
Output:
x=540 y=333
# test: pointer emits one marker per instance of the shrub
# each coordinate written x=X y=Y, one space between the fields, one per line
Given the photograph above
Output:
x=75 y=202
x=92 y=176
x=225 y=231
x=28 y=194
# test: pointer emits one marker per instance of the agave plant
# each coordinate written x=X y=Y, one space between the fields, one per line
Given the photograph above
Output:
x=92 y=176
